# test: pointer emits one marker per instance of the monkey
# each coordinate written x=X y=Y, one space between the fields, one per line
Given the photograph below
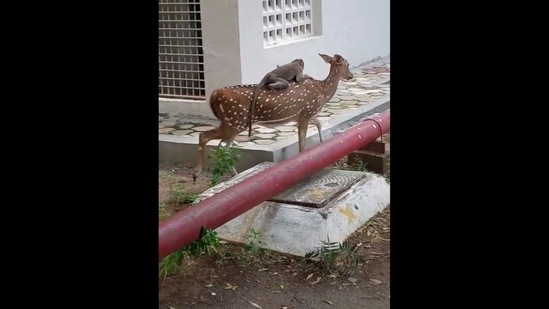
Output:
x=278 y=79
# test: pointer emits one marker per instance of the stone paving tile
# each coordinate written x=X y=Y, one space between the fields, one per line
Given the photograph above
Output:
x=349 y=96
x=166 y=130
x=265 y=130
x=203 y=128
x=265 y=135
x=240 y=138
x=286 y=128
x=263 y=141
x=166 y=124
x=185 y=126
x=182 y=132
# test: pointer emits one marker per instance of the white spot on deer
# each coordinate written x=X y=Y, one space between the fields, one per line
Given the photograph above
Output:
x=221 y=108
x=234 y=113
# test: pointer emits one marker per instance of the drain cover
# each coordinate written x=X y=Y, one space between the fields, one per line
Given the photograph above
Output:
x=320 y=188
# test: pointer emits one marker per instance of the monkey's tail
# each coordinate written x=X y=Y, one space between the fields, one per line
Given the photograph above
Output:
x=251 y=109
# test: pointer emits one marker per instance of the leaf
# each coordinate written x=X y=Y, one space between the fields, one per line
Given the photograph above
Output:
x=209 y=285
x=255 y=305
x=375 y=281
x=282 y=286
x=228 y=286
x=170 y=307
x=328 y=302
x=263 y=269
x=351 y=279
x=309 y=276
x=316 y=281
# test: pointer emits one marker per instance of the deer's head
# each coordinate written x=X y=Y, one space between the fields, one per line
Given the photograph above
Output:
x=340 y=64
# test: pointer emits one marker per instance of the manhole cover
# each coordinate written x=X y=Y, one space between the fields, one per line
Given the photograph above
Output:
x=321 y=188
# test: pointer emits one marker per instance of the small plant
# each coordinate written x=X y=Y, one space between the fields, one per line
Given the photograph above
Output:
x=360 y=166
x=206 y=244
x=253 y=240
x=180 y=196
x=335 y=257
x=249 y=254
x=225 y=157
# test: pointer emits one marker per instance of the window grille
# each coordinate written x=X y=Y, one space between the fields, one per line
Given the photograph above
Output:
x=181 y=60
x=286 y=21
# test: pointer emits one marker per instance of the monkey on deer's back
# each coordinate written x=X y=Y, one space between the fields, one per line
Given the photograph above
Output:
x=277 y=79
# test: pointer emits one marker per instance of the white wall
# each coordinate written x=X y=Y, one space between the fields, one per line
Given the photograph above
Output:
x=220 y=43
x=356 y=29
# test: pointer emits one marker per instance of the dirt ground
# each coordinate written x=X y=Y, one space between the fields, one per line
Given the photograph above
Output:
x=236 y=277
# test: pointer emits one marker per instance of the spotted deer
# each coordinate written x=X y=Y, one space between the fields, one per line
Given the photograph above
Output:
x=300 y=102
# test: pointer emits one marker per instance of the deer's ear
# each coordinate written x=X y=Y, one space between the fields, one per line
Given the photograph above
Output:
x=326 y=58
x=338 y=58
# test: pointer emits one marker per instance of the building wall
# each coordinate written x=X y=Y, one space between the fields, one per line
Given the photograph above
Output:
x=356 y=29
x=221 y=43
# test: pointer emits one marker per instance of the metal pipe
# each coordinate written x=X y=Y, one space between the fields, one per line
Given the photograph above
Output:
x=184 y=227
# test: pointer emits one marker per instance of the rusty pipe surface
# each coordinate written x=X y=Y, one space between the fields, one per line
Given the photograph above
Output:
x=184 y=227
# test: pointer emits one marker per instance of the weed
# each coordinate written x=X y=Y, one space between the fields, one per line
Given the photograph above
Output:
x=360 y=166
x=253 y=240
x=225 y=157
x=206 y=244
x=179 y=195
x=333 y=257
x=249 y=254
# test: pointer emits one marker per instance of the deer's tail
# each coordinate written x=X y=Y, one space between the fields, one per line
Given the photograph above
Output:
x=215 y=103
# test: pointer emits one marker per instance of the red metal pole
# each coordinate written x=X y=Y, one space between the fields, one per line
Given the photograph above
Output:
x=184 y=227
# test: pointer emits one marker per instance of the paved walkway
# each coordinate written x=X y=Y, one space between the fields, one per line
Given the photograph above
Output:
x=370 y=82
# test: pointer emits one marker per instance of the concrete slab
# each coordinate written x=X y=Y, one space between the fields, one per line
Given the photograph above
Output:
x=292 y=228
x=175 y=149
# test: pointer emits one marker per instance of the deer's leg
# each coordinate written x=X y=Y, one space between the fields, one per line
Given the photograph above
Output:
x=203 y=139
x=302 y=125
x=229 y=141
x=318 y=127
